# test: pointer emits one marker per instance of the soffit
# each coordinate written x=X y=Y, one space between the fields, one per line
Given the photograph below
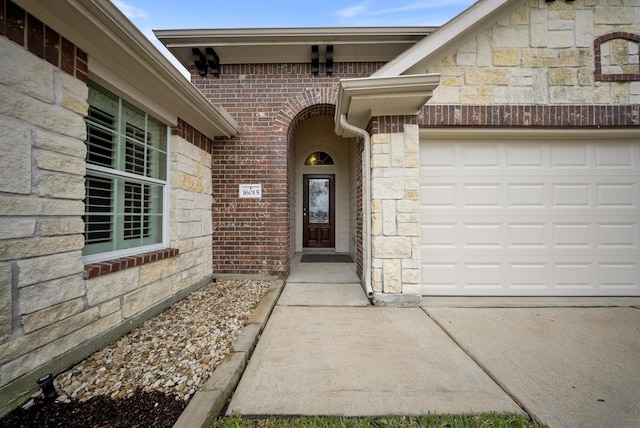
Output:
x=110 y=39
x=361 y=99
x=293 y=45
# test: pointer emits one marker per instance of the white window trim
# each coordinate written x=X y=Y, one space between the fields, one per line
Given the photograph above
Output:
x=111 y=255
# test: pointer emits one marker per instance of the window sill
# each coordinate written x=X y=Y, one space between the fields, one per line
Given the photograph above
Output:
x=94 y=270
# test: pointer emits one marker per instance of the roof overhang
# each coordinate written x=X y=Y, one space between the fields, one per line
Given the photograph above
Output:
x=117 y=48
x=293 y=45
x=361 y=99
x=417 y=58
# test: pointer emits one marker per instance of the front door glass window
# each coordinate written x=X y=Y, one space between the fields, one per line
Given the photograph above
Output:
x=319 y=200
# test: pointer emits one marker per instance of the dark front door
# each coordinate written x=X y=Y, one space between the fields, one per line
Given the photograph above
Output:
x=319 y=211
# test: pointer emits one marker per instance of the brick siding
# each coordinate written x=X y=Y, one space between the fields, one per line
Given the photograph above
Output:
x=390 y=124
x=26 y=30
x=617 y=77
x=192 y=135
x=531 y=115
x=96 y=269
x=252 y=236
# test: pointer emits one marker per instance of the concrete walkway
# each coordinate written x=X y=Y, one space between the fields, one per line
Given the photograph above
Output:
x=326 y=351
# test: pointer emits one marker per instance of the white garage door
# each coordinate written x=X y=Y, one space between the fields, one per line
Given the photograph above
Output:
x=530 y=218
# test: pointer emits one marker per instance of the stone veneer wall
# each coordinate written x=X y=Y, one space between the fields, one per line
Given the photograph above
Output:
x=395 y=192
x=54 y=310
x=541 y=66
x=544 y=54
x=42 y=168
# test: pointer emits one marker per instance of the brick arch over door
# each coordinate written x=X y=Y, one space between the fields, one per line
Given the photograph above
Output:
x=311 y=103
x=307 y=104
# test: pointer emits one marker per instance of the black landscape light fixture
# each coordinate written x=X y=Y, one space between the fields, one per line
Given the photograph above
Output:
x=48 y=390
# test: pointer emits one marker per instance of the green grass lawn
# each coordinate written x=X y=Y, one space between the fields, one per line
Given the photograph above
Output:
x=487 y=420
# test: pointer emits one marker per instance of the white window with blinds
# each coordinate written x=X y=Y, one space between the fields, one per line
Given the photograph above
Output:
x=126 y=187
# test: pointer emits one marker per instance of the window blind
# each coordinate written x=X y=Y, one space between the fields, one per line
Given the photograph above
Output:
x=126 y=173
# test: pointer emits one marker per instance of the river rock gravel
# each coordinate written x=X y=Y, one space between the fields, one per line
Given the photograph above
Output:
x=172 y=354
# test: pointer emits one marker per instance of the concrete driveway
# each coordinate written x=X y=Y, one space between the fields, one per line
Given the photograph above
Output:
x=326 y=351
x=567 y=366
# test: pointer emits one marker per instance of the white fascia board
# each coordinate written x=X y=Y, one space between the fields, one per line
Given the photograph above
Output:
x=360 y=99
x=291 y=35
x=106 y=35
x=451 y=35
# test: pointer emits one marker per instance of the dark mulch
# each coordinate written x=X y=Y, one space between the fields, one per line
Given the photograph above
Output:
x=143 y=409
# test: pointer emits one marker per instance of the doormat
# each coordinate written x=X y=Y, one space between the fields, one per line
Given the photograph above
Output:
x=326 y=258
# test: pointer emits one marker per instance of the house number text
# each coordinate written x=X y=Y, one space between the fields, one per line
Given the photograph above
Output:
x=250 y=190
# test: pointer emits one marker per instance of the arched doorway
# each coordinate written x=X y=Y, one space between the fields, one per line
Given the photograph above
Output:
x=322 y=201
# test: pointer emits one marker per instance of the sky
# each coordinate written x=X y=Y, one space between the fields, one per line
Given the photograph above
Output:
x=150 y=15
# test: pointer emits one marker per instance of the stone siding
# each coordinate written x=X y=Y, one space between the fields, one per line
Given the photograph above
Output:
x=42 y=314
x=54 y=310
x=543 y=54
x=395 y=193
x=190 y=213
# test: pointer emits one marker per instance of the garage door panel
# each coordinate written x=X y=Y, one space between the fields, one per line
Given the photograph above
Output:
x=557 y=193
x=527 y=274
x=533 y=218
x=617 y=195
x=617 y=235
x=564 y=277
x=572 y=235
x=571 y=195
x=481 y=156
x=526 y=195
x=616 y=156
x=481 y=235
x=527 y=235
x=616 y=274
x=440 y=275
x=439 y=156
x=569 y=155
x=526 y=156
x=527 y=232
x=485 y=195
x=438 y=195
x=439 y=235
x=573 y=274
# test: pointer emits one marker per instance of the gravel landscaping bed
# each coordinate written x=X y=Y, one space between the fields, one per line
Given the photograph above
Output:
x=156 y=368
